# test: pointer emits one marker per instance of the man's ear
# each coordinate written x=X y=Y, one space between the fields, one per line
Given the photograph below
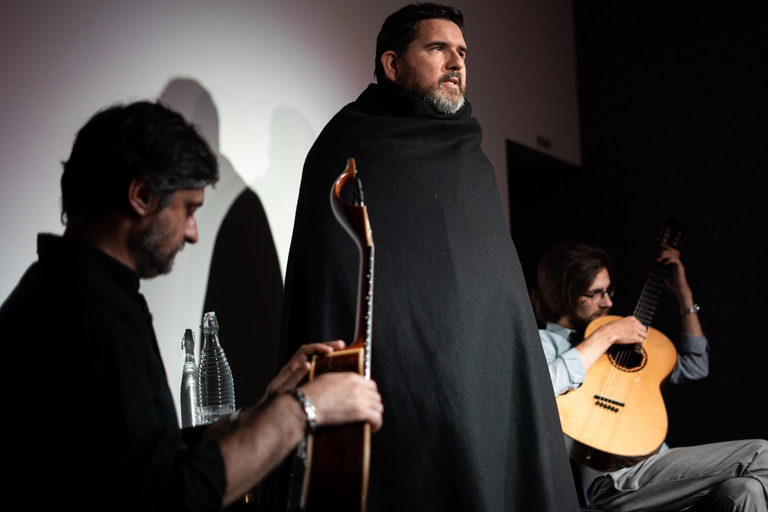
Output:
x=140 y=197
x=390 y=62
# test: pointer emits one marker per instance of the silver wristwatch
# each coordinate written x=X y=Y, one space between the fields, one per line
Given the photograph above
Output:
x=308 y=408
x=691 y=310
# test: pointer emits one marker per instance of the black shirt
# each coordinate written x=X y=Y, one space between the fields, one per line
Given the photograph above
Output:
x=99 y=427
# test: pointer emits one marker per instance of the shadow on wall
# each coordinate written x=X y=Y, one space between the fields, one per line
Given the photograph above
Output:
x=245 y=285
x=291 y=137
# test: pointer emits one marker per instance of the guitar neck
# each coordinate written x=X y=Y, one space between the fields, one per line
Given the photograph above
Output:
x=364 y=318
x=671 y=235
x=650 y=295
x=354 y=219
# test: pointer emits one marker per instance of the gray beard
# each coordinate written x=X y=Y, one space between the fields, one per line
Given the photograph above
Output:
x=442 y=102
x=148 y=255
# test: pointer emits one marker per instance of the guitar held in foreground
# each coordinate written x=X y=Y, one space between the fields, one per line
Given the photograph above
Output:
x=617 y=417
x=338 y=458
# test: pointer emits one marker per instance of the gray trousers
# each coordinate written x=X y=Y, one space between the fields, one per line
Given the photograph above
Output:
x=730 y=476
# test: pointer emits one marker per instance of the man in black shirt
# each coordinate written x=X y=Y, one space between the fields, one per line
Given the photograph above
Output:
x=104 y=434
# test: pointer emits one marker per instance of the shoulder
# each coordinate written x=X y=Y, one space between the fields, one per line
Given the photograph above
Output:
x=555 y=333
x=45 y=290
x=554 y=339
x=549 y=339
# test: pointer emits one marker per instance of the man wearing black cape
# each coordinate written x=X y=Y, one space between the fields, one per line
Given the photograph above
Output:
x=471 y=422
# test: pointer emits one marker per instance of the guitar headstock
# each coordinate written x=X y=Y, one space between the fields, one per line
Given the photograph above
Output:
x=671 y=235
x=352 y=217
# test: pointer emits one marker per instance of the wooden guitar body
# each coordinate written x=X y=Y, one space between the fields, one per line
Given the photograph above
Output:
x=338 y=458
x=617 y=417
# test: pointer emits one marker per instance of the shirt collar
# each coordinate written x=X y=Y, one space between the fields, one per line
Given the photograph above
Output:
x=86 y=256
x=565 y=332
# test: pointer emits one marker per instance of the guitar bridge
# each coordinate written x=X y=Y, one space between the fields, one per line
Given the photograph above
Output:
x=608 y=403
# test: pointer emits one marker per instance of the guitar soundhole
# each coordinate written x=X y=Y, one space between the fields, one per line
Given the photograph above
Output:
x=628 y=358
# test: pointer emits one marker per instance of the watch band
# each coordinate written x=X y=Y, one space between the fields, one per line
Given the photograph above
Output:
x=690 y=311
x=307 y=407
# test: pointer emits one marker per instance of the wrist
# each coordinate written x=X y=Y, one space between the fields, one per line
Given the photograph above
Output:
x=310 y=413
x=685 y=298
x=690 y=310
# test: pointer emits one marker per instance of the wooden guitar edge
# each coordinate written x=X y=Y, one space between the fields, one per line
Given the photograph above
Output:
x=600 y=460
x=363 y=429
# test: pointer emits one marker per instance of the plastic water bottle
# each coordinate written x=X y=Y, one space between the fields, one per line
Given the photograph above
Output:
x=188 y=381
x=215 y=387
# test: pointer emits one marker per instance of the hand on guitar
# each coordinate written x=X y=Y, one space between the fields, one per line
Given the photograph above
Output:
x=626 y=331
x=676 y=280
x=296 y=369
x=345 y=397
x=339 y=398
x=266 y=433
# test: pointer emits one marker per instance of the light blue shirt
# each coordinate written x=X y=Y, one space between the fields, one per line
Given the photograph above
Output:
x=566 y=368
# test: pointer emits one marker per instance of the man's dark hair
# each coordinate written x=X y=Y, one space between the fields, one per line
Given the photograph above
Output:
x=123 y=142
x=564 y=275
x=402 y=27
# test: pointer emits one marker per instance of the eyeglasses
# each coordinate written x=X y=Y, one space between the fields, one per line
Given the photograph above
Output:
x=598 y=296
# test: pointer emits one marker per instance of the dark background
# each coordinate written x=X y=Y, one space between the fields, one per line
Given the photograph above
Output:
x=673 y=126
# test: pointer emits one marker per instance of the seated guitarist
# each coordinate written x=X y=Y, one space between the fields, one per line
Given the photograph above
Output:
x=573 y=288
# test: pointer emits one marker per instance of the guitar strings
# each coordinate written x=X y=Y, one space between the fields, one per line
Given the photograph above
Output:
x=644 y=311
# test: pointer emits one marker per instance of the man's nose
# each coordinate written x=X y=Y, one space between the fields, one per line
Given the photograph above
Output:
x=190 y=235
x=455 y=61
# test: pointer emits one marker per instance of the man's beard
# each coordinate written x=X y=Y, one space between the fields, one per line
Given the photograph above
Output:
x=148 y=255
x=581 y=322
x=441 y=101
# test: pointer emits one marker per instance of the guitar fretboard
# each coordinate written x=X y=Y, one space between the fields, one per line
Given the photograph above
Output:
x=368 y=316
x=649 y=297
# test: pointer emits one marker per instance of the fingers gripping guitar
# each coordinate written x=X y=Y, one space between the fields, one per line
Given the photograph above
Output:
x=338 y=398
x=625 y=331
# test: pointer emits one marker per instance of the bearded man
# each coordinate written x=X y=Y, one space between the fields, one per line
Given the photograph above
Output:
x=573 y=288
x=101 y=429
x=472 y=423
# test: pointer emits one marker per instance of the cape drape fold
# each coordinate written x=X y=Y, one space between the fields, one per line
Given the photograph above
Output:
x=470 y=421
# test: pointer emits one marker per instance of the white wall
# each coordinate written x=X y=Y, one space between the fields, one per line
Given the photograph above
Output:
x=275 y=71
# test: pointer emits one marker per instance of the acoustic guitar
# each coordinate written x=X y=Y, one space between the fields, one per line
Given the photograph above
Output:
x=617 y=417
x=338 y=458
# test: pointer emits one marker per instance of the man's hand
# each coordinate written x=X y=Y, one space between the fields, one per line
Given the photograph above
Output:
x=625 y=331
x=345 y=397
x=676 y=280
x=270 y=430
x=678 y=283
x=338 y=397
x=297 y=368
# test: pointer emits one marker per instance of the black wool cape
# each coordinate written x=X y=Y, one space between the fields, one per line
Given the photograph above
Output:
x=470 y=421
